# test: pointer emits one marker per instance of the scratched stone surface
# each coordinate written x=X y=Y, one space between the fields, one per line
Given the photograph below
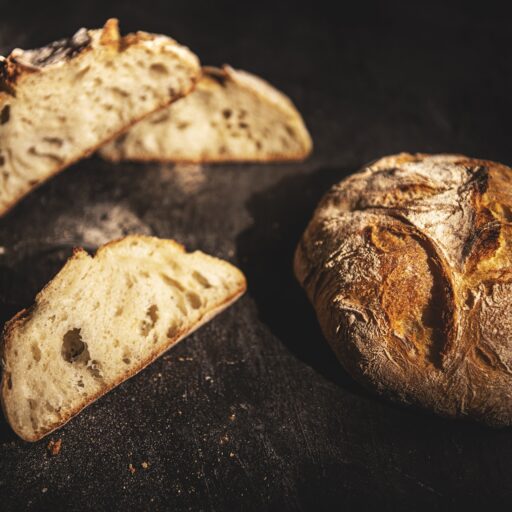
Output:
x=253 y=412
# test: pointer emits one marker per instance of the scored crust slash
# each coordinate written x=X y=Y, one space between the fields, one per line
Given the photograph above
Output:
x=408 y=266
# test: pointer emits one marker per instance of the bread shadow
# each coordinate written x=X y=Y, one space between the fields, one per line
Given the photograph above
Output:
x=265 y=254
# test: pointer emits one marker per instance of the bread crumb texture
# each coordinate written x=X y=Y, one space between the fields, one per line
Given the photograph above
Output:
x=232 y=115
x=408 y=265
x=101 y=320
x=61 y=102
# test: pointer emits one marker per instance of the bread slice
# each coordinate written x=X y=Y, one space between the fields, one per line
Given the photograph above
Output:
x=60 y=102
x=101 y=320
x=231 y=116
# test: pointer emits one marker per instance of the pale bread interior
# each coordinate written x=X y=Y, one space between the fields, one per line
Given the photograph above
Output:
x=230 y=116
x=102 y=319
x=65 y=110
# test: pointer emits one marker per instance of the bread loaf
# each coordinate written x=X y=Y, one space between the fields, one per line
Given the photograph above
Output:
x=101 y=320
x=408 y=265
x=231 y=116
x=60 y=102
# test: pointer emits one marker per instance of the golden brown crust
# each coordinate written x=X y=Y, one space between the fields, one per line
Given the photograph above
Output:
x=17 y=320
x=409 y=268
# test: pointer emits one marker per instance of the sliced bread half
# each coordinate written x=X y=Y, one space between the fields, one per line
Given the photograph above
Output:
x=101 y=320
x=60 y=102
x=230 y=116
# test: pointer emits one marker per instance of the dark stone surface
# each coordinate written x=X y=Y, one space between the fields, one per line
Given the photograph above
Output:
x=253 y=412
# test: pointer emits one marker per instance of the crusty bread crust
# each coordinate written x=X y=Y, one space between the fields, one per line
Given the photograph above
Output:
x=408 y=265
x=19 y=65
x=6 y=344
x=254 y=85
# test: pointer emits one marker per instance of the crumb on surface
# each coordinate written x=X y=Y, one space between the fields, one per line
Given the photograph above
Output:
x=145 y=465
x=231 y=455
x=44 y=489
x=224 y=439
x=131 y=469
x=232 y=417
x=54 y=447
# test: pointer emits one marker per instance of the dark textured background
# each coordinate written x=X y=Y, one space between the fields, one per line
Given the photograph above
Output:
x=253 y=412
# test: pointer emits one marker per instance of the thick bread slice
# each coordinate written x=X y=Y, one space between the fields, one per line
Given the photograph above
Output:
x=230 y=116
x=60 y=102
x=101 y=320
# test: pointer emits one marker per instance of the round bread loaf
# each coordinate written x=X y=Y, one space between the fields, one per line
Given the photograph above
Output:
x=408 y=264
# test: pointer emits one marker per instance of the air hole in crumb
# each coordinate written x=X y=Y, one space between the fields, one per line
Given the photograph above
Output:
x=73 y=347
x=80 y=383
x=119 y=92
x=289 y=130
x=54 y=141
x=2 y=160
x=126 y=360
x=5 y=115
x=172 y=331
x=151 y=319
x=259 y=145
x=144 y=274
x=9 y=381
x=227 y=113
x=36 y=352
x=172 y=282
x=183 y=125
x=159 y=119
x=95 y=368
x=119 y=311
x=194 y=299
x=32 y=403
x=201 y=279
x=81 y=73
x=158 y=69
x=49 y=407
x=243 y=125
x=129 y=282
x=153 y=313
